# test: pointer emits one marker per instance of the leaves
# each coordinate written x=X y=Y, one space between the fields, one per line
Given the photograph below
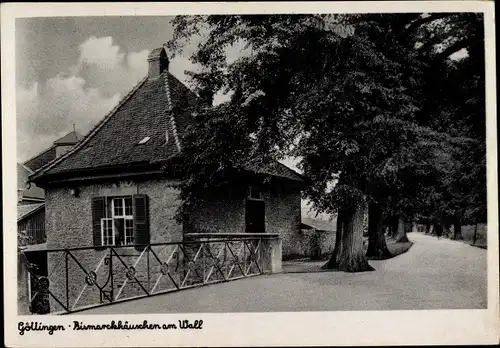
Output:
x=371 y=100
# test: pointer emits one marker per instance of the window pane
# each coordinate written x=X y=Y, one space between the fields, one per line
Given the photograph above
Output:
x=129 y=240
x=107 y=232
x=118 y=207
x=128 y=206
x=119 y=232
x=129 y=231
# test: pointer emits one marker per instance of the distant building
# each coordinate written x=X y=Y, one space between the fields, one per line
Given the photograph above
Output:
x=27 y=194
x=31 y=198
x=31 y=222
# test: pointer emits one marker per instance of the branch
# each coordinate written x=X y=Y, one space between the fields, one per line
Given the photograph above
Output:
x=457 y=46
x=419 y=22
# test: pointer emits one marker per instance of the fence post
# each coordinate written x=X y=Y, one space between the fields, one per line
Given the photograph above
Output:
x=111 y=274
x=23 y=300
x=67 y=278
x=149 y=275
x=272 y=254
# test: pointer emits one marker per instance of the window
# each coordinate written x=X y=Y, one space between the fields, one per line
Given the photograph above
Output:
x=254 y=193
x=107 y=235
x=120 y=220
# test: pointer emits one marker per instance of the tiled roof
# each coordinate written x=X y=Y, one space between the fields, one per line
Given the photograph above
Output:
x=274 y=168
x=47 y=156
x=25 y=210
x=41 y=159
x=320 y=225
x=157 y=106
x=145 y=112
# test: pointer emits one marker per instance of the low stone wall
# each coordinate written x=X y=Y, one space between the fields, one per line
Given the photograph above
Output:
x=309 y=243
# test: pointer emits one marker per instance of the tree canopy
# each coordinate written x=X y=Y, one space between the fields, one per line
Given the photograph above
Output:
x=375 y=103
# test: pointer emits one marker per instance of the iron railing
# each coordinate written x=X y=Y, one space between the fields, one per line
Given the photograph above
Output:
x=80 y=278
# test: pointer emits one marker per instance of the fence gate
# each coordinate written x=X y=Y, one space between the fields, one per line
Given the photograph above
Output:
x=80 y=278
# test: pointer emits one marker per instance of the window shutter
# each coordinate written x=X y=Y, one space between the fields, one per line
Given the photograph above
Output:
x=141 y=223
x=98 y=212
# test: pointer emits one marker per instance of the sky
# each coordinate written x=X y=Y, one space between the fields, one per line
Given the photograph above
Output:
x=75 y=70
x=71 y=71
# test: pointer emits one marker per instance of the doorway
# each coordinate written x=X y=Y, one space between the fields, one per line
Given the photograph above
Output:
x=255 y=216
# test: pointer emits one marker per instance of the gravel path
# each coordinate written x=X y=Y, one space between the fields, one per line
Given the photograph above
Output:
x=433 y=274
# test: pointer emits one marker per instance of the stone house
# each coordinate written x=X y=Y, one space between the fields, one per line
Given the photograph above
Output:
x=109 y=189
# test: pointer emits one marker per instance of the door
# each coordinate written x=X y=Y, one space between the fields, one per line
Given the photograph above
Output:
x=255 y=216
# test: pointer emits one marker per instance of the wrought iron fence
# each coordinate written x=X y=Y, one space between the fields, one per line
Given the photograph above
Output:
x=75 y=279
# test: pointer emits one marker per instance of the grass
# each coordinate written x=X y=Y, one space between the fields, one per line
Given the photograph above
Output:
x=398 y=248
x=394 y=247
x=468 y=234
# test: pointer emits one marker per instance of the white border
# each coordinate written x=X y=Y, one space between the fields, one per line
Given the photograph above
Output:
x=266 y=329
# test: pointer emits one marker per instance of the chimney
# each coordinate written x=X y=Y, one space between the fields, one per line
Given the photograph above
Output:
x=206 y=96
x=158 y=62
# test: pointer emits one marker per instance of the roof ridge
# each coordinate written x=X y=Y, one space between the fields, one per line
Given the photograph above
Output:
x=172 y=118
x=96 y=128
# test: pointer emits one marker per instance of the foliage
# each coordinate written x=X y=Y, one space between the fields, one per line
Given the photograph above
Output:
x=371 y=102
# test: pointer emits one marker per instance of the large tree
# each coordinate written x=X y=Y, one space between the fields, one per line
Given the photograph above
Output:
x=342 y=92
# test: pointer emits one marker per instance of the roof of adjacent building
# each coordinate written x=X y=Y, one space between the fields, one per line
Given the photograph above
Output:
x=147 y=126
x=28 y=191
x=41 y=159
x=23 y=211
x=275 y=168
x=48 y=155
x=320 y=225
x=69 y=139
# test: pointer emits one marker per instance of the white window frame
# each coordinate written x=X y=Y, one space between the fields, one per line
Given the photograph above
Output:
x=103 y=220
x=128 y=233
x=123 y=216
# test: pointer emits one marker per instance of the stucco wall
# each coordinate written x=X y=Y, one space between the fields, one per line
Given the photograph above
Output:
x=69 y=224
x=223 y=211
x=283 y=215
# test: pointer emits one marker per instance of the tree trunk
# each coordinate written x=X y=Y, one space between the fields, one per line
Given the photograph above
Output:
x=352 y=256
x=332 y=263
x=445 y=229
x=457 y=230
x=377 y=246
x=427 y=228
x=437 y=230
x=393 y=227
x=401 y=236
x=475 y=235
